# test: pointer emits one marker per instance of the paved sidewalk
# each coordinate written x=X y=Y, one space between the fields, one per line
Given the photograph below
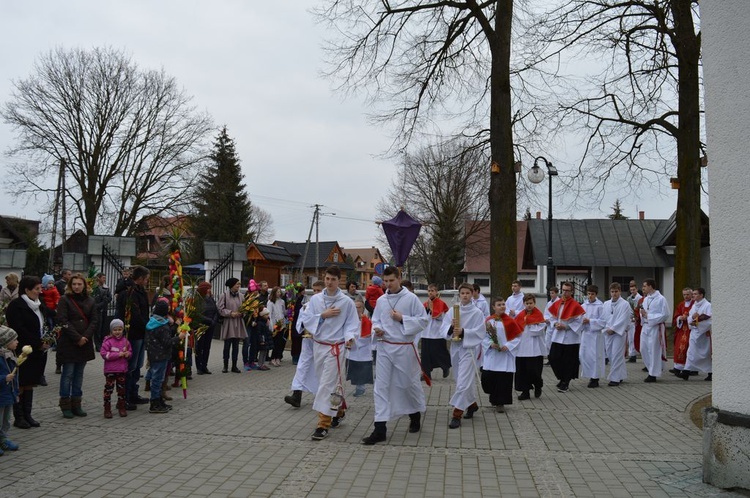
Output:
x=235 y=436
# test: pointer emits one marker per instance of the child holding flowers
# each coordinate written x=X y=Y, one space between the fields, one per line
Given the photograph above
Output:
x=8 y=385
x=498 y=358
x=116 y=351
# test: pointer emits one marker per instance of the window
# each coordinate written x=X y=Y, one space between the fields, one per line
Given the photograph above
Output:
x=527 y=283
x=335 y=257
x=482 y=282
x=624 y=282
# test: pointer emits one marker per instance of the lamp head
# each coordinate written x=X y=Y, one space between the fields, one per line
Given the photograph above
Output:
x=535 y=175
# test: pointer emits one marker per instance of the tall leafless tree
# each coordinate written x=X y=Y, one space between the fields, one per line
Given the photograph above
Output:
x=430 y=60
x=130 y=138
x=643 y=116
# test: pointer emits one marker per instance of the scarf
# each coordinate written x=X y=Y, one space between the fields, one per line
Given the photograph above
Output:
x=534 y=317
x=438 y=306
x=34 y=306
x=512 y=329
x=155 y=322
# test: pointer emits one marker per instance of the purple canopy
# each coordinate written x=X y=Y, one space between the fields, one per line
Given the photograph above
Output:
x=401 y=231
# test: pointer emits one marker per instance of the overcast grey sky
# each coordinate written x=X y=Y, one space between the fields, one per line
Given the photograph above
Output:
x=254 y=66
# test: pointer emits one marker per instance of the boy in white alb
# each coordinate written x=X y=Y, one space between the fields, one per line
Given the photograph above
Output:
x=617 y=316
x=654 y=313
x=305 y=378
x=498 y=362
x=592 y=342
x=699 y=350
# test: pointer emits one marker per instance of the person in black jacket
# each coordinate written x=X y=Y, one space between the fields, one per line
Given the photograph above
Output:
x=26 y=315
x=133 y=309
x=79 y=318
x=209 y=317
x=160 y=340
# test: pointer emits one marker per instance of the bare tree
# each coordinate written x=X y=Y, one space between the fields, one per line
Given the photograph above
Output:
x=441 y=59
x=261 y=225
x=646 y=101
x=130 y=138
x=445 y=187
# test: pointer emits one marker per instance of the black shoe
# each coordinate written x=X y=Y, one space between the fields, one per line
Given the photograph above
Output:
x=375 y=437
x=675 y=371
x=168 y=407
x=200 y=372
x=224 y=370
x=650 y=379
x=295 y=399
x=593 y=383
x=710 y=377
x=562 y=387
x=684 y=375
x=446 y=372
x=319 y=434
x=455 y=423
x=524 y=396
x=139 y=401
x=500 y=408
x=206 y=371
x=693 y=372
x=644 y=369
x=157 y=407
x=415 y=423
x=131 y=406
x=613 y=383
x=538 y=392
x=236 y=370
x=631 y=359
x=43 y=381
x=470 y=411
x=336 y=421
x=560 y=384
x=21 y=423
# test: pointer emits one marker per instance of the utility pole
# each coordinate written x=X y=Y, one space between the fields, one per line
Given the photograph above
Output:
x=314 y=222
x=59 y=199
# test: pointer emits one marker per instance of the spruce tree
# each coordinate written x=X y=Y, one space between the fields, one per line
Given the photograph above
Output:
x=617 y=212
x=221 y=210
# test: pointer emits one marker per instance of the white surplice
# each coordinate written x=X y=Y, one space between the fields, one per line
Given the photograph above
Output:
x=653 y=333
x=305 y=378
x=550 y=328
x=699 y=350
x=617 y=316
x=633 y=302
x=329 y=336
x=514 y=304
x=495 y=360
x=398 y=388
x=591 y=354
x=481 y=303
x=464 y=354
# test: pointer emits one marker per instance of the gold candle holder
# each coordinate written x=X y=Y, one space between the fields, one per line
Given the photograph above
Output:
x=457 y=318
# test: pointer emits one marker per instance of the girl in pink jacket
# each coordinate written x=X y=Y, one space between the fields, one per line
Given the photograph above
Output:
x=116 y=351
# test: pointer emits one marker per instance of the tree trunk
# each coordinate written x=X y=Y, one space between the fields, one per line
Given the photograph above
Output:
x=502 y=195
x=687 y=272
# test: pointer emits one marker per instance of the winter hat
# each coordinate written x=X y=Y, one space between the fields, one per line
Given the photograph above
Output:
x=161 y=307
x=116 y=323
x=231 y=282
x=377 y=280
x=203 y=288
x=265 y=312
x=252 y=286
x=7 y=335
x=46 y=279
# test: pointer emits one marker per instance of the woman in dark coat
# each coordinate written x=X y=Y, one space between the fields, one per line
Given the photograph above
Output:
x=209 y=317
x=79 y=319
x=26 y=315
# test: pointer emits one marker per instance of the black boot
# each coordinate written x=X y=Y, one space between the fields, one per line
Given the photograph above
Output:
x=20 y=421
x=377 y=436
x=295 y=399
x=415 y=422
x=28 y=399
x=226 y=366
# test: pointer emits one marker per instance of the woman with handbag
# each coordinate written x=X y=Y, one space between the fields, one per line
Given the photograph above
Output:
x=79 y=319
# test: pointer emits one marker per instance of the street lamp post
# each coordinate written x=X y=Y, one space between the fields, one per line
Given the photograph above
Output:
x=536 y=175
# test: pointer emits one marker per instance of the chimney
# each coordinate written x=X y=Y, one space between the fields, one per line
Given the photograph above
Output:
x=538 y=215
x=641 y=215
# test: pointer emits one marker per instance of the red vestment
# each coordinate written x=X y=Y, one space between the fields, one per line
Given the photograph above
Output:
x=638 y=326
x=572 y=309
x=524 y=319
x=681 y=334
x=366 y=330
x=512 y=329
x=437 y=305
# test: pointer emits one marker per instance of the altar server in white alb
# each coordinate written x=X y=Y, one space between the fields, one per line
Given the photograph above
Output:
x=333 y=324
x=654 y=313
x=531 y=350
x=465 y=332
x=398 y=317
x=480 y=301
x=514 y=303
x=699 y=350
x=592 y=342
x=553 y=298
x=305 y=378
x=617 y=316
x=498 y=361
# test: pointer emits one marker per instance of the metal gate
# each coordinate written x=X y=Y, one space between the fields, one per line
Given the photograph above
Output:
x=113 y=268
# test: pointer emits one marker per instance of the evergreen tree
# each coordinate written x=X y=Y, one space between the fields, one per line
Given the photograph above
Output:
x=222 y=210
x=617 y=212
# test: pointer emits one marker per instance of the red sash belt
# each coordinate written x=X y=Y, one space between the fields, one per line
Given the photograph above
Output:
x=426 y=378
